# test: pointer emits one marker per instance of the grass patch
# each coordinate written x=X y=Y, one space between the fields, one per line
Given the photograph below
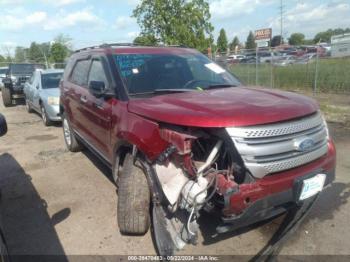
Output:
x=333 y=75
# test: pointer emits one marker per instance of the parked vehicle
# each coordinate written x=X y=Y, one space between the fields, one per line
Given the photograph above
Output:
x=249 y=60
x=306 y=59
x=235 y=58
x=16 y=76
x=285 y=61
x=42 y=94
x=181 y=132
x=3 y=71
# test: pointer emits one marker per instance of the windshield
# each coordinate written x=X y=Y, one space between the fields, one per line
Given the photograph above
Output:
x=22 y=68
x=3 y=71
x=149 y=73
x=50 y=80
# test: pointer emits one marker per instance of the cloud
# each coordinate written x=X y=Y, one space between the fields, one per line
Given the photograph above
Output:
x=123 y=22
x=15 y=21
x=61 y=2
x=223 y=9
x=80 y=18
x=230 y=9
x=312 y=18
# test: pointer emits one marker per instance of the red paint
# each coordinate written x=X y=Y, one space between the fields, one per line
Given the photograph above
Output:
x=224 y=107
x=108 y=123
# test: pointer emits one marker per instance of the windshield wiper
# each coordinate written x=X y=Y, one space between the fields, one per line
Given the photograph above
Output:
x=156 y=91
x=220 y=86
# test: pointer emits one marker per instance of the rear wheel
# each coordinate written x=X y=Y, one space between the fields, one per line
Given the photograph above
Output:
x=28 y=107
x=72 y=143
x=133 y=199
x=6 y=97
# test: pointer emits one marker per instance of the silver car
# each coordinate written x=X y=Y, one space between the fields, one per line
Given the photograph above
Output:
x=42 y=94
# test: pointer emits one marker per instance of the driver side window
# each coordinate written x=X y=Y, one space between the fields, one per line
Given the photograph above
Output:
x=97 y=72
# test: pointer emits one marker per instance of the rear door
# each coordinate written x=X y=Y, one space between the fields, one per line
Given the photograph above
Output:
x=97 y=111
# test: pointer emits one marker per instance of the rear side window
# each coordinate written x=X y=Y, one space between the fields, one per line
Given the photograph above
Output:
x=80 y=73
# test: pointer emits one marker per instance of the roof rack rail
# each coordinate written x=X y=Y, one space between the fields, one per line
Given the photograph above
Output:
x=124 y=44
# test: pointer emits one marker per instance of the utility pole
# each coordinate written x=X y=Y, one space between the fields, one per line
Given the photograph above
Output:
x=281 y=18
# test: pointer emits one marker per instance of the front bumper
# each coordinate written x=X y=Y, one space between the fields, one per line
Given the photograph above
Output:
x=53 y=112
x=273 y=194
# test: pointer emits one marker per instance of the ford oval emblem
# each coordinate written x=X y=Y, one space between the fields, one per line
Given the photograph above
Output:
x=304 y=144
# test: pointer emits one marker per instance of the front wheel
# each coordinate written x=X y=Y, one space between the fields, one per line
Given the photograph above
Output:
x=44 y=116
x=72 y=143
x=133 y=199
x=6 y=97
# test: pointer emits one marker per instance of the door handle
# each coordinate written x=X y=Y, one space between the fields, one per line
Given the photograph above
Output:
x=83 y=99
x=99 y=106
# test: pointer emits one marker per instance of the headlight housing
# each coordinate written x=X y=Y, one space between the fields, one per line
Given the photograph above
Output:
x=51 y=100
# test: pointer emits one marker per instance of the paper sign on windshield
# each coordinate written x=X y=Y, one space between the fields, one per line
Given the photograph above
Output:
x=215 y=68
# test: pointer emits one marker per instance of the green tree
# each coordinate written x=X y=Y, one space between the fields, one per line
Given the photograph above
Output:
x=21 y=54
x=58 y=53
x=222 y=41
x=35 y=55
x=250 y=43
x=296 y=39
x=235 y=42
x=323 y=36
x=64 y=40
x=326 y=36
x=175 y=22
x=145 y=40
x=276 y=41
x=2 y=59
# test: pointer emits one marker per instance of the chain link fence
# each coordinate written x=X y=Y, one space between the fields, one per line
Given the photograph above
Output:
x=313 y=71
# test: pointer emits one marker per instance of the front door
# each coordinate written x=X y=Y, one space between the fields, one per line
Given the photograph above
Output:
x=97 y=112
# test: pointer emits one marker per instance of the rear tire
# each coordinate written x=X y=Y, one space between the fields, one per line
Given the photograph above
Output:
x=72 y=142
x=6 y=97
x=133 y=199
x=28 y=107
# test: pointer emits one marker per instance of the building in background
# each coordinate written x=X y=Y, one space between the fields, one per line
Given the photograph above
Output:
x=340 y=45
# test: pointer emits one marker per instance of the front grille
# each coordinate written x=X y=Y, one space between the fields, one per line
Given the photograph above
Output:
x=22 y=79
x=268 y=149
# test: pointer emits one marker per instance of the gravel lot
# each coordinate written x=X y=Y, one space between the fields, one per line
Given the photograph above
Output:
x=57 y=202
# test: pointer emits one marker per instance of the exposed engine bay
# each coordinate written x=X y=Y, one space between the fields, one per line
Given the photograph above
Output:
x=194 y=173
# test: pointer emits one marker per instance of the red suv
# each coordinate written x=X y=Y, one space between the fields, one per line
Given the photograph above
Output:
x=182 y=136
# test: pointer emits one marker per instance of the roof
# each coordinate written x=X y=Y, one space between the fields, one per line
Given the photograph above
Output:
x=121 y=48
x=51 y=71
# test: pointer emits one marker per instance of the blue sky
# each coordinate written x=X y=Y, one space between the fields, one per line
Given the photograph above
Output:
x=90 y=22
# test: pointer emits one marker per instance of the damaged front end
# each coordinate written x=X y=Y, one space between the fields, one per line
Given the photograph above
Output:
x=199 y=170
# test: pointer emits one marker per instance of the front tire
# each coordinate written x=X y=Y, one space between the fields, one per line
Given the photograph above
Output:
x=133 y=199
x=6 y=97
x=72 y=143
x=44 y=116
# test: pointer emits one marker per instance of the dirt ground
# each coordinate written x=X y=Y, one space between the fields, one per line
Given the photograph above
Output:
x=57 y=202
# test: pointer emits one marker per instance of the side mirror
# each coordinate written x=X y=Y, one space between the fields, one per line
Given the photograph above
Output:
x=3 y=125
x=97 y=88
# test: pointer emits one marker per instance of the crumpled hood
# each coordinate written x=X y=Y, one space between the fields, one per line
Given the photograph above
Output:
x=237 y=106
